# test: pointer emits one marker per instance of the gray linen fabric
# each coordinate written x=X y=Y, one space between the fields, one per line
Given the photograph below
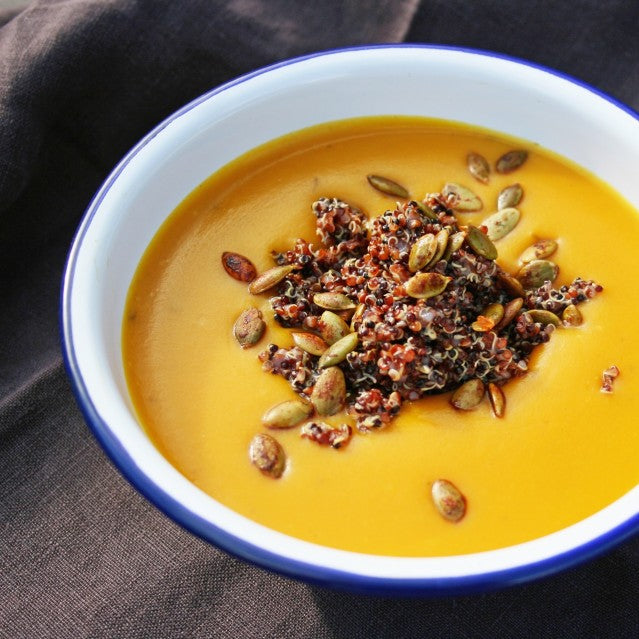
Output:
x=81 y=553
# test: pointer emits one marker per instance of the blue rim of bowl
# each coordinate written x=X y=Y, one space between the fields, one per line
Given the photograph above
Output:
x=306 y=571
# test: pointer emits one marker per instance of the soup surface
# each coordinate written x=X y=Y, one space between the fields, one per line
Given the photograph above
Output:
x=563 y=449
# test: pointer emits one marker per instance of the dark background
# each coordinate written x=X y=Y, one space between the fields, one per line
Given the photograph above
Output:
x=81 y=553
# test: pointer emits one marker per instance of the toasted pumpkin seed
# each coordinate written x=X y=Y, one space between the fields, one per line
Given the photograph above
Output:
x=572 y=316
x=494 y=313
x=269 y=279
x=448 y=500
x=422 y=252
x=427 y=211
x=463 y=199
x=238 y=267
x=535 y=273
x=511 y=309
x=357 y=317
x=249 y=327
x=468 y=395
x=387 y=186
x=510 y=284
x=544 y=317
x=478 y=167
x=329 y=393
x=455 y=242
x=497 y=399
x=425 y=285
x=501 y=223
x=480 y=243
x=332 y=327
x=540 y=250
x=338 y=351
x=267 y=454
x=287 y=414
x=510 y=161
x=310 y=343
x=333 y=301
x=442 y=242
x=510 y=196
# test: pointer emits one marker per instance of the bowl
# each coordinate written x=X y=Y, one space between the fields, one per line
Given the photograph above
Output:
x=480 y=88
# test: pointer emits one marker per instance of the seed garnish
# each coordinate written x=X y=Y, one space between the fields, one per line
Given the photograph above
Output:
x=238 y=267
x=478 y=167
x=387 y=186
x=608 y=378
x=267 y=455
x=510 y=196
x=249 y=327
x=511 y=161
x=448 y=500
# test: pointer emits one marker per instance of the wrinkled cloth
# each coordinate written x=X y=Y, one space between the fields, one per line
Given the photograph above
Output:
x=82 y=554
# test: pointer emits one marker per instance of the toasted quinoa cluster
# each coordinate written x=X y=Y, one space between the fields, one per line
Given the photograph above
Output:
x=407 y=348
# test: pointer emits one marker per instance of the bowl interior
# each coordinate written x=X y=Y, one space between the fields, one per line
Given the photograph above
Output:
x=480 y=89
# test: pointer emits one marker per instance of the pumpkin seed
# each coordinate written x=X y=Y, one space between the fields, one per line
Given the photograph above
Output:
x=540 y=250
x=510 y=284
x=425 y=285
x=510 y=196
x=463 y=198
x=535 y=273
x=310 y=343
x=454 y=244
x=238 y=267
x=427 y=211
x=266 y=453
x=544 y=317
x=572 y=316
x=327 y=435
x=510 y=161
x=422 y=252
x=497 y=399
x=333 y=301
x=338 y=351
x=269 y=278
x=387 y=186
x=478 y=167
x=442 y=242
x=249 y=327
x=287 y=414
x=448 y=500
x=357 y=317
x=468 y=395
x=511 y=309
x=489 y=318
x=501 y=223
x=329 y=392
x=481 y=243
x=332 y=327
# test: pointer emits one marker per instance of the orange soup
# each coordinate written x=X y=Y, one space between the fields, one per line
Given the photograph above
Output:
x=562 y=450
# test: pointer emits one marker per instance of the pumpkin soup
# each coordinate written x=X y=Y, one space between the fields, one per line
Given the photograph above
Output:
x=416 y=286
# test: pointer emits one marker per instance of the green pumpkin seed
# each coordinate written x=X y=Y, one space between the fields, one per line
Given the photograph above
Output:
x=510 y=196
x=249 y=327
x=338 y=351
x=497 y=399
x=478 y=167
x=266 y=453
x=480 y=243
x=535 y=273
x=332 y=327
x=333 y=301
x=386 y=186
x=448 y=500
x=510 y=161
x=287 y=414
x=238 y=267
x=468 y=395
x=310 y=343
x=442 y=242
x=540 y=250
x=329 y=392
x=422 y=252
x=511 y=309
x=454 y=244
x=501 y=223
x=572 y=316
x=269 y=279
x=510 y=284
x=492 y=315
x=463 y=199
x=544 y=317
x=425 y=285
x=427 y=212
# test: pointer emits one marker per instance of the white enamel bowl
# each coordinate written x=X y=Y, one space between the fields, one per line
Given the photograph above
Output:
x=510 y=96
